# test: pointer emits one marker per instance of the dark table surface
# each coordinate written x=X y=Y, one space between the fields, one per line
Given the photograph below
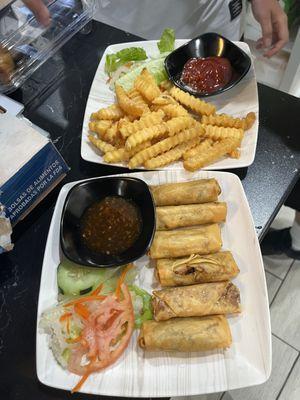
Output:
x=55 y=99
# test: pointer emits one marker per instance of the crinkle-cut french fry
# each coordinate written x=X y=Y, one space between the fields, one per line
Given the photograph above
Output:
x=115 y=156
x=127 y=104
x=223 y=120
x=227 y=121
x=145 y=134
x=172 y=127
x=159 y=138
x=199 y=149
x=113 y=113
x=219 y=133
x=111 y=133
x=124 y=122
x=119 y=142
x=171 y=155
x=164 y=99
x=127 y=119
x=214 y=153
x=146 y=121
x=197 y=105
x=178 y=124
x=166 y=85
x=250 y=119
x=100 y=144
x=121 y=154
x=146 y=85
x=137 y=98
x=164 y=145
x=154 y=108
x=236 y=153
x=174 y=110
x=100 y=127
x=138 y=148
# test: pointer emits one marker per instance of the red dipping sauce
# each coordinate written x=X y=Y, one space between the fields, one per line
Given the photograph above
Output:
x=206 y=75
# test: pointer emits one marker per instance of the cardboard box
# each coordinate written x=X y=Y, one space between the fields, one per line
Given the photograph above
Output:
x=30 y=167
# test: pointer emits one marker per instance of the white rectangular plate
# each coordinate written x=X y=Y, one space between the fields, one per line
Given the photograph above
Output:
x=160 y=374
x=238 y=101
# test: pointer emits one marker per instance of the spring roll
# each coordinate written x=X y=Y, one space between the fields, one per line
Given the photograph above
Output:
x=205 y=239
x=196 y=268
x=196 y=301
x=186 y=334
x=194 y=192
x=171 y=217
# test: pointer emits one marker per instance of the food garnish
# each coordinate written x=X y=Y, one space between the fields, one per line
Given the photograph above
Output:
x=167 y=41
x=89 y=333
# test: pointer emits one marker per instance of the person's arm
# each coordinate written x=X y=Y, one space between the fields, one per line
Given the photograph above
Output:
x=273 y=22
x=39 y=10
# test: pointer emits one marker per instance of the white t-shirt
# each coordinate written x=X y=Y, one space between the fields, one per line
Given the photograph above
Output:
x=189 y=18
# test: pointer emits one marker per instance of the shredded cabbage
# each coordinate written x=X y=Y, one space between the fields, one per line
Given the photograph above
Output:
x=156 y=67
x=50 y=324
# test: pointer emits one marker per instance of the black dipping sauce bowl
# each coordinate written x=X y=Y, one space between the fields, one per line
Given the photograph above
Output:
x=86 y=193
x=207 y=45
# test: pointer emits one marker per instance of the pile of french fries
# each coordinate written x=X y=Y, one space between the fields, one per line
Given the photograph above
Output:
x=154 y=126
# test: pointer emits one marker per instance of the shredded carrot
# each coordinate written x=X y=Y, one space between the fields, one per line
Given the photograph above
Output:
x=81 y=310
x=75 y=340
x=80 y=383
x=65 y=316
x=84 y=299
x=84 y=377
x=121 y=280
x=68 y=326
x=97 y=290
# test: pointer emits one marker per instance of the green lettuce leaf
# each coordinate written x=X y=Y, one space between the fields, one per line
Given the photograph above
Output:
x=111 y=63
x=114 y=61
x=146 y=311
x=167 y=40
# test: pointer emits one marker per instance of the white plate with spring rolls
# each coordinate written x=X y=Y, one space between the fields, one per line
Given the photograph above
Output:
x=143 y=371
x=237 y=102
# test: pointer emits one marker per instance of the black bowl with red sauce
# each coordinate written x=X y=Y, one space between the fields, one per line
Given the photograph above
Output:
x=80 y=221
x=208 y=65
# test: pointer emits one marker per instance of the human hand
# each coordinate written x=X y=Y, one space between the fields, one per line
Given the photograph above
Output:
x=273 y=22
x=40 y=11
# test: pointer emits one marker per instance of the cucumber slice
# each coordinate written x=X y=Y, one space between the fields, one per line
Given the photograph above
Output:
x=74 y=279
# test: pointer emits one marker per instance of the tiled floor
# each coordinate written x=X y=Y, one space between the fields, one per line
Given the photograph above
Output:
x=283 y=281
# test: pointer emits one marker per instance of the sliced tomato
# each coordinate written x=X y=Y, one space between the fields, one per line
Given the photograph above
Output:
x=106 y=333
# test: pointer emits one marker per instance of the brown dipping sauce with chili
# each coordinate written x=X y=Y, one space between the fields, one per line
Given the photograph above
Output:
x=111 y=226
x=206 y=75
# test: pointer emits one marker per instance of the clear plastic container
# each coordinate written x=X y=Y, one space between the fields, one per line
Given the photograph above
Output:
x=25 y=44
